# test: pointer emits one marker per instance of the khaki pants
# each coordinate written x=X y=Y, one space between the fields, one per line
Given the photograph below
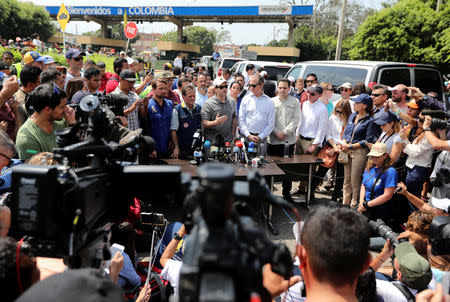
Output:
x=353 y=172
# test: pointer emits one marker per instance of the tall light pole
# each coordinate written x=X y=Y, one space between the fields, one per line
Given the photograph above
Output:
x=341 y=32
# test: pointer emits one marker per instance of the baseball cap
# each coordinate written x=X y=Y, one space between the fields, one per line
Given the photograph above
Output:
x=413 y=104
x=130 y=60
x=32 y=56
x=48 y=59
x=3 y=65
x=263 y=73
x=74 y=285
x=122 y=53
x=128 y=75
x=166 y=75
x=345 y=85
x=190 y=70
x=441 y=203
x=363 y=98
x=73 y=53
x=385 y=117
x=378 y=149
x=315 y=88
x=290 y=78
x=219 y=81
x=416 y=271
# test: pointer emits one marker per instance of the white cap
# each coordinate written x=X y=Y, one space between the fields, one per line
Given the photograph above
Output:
x=442 y=203
x=130 y=60
x=291 y=79
x=219 y=81
x=263 y=73
x=122 y=52
x=346 y=85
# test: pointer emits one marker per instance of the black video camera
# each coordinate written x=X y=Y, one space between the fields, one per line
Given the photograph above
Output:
x=439 y=119
x=386 y=232
x=439 y=234
x=68 y=212
x=230 y=250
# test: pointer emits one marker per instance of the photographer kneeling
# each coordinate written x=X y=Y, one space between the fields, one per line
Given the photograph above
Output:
x=377 y=188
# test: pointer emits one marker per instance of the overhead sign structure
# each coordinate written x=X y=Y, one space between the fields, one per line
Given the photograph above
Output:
x=63 y=17
x=131 y=30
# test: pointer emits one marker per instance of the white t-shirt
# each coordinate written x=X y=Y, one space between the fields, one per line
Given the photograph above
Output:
x=171 y=272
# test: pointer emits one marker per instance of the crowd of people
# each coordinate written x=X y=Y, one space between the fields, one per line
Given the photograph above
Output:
x=390 y=163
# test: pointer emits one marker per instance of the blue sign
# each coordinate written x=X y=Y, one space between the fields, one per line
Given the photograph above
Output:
x=295 y=10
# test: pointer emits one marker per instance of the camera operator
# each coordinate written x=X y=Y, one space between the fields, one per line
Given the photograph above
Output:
x=440 y=177
x=331 y=262
x=413 y=273
x=18 y=269
x=36 y=134
x=436 y=142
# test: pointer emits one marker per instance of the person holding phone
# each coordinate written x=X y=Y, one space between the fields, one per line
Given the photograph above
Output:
x=124 y=235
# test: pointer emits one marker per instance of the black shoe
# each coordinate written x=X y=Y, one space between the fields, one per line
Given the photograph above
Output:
x=298 y=191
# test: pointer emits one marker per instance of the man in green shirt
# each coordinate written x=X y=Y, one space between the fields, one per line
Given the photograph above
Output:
x=37 y=133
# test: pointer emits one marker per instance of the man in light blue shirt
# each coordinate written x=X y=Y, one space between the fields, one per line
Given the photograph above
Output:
x=200 y=93
x=257 y=112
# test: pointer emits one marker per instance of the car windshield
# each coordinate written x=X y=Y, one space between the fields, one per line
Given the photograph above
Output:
x=275 y=73
x=336 y=75
x=228 y=63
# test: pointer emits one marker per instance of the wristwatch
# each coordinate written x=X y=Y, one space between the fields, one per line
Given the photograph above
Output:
x=366 y=205
x=350 y=147
x=176 y=236
x=427 y=129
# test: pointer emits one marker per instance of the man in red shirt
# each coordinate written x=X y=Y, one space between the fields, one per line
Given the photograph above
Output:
x=105 y=75
x=113 y=81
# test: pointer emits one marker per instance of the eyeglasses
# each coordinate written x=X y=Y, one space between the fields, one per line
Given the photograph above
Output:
x=221 y=87
x=312 y=93
x=310 y=81
x=330 y=89
x=253 y=85
x=10 y=161
x=377 y=94
x=77 y=58
x=345 y=89
x=339 y=111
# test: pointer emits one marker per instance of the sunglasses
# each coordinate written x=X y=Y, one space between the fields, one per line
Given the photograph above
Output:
x=312 y=93
x=10 y=161
x=377 y=94
x=339 y=111
x=221 y=87
x=77 y=58
x=310 y=81
x=330 y=89
x=253 y=85
x=345 y=89
x=421 y=119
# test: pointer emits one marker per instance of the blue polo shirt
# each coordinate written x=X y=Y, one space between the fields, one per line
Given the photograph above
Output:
x=387 y=180
x=159 y=123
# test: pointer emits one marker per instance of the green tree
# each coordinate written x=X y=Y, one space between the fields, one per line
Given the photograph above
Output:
x=117 y=32
x=24 y=19
x=409 y=31
x=197 y=35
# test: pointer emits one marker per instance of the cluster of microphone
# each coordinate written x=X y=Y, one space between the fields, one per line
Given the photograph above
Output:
x=220 y=150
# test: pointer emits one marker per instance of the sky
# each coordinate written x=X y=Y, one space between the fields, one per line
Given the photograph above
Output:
x=241 y=33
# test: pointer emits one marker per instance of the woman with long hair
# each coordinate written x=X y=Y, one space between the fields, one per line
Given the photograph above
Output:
x=73 y=86
x=359 y=132
x=378 y=185
x=418 y=162
x=390 y=128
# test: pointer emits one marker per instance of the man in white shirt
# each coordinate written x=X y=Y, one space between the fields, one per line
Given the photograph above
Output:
x=249 y=71
x=312 y=127
x=256 y=113
x=178 y=61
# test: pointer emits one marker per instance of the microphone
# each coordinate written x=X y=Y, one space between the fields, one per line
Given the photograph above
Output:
x=196 y=138
x=236 y=150
x=250 y=152
x=198 y=156
x=227 y=149
x=214 y=151
x=206 y=147
x=244 y=150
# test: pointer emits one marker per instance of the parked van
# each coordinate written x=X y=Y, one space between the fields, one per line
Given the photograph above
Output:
x=275 y=70
x=426 y=77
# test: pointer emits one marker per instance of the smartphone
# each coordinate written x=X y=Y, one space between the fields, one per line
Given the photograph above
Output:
x=114 y=249
x=152 y=218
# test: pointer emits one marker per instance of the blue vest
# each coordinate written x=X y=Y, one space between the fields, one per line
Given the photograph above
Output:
x=159 y=123
x=188 y=124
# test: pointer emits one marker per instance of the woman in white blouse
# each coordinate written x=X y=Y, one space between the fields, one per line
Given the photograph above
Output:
x=418 y=163
x=336 y=122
